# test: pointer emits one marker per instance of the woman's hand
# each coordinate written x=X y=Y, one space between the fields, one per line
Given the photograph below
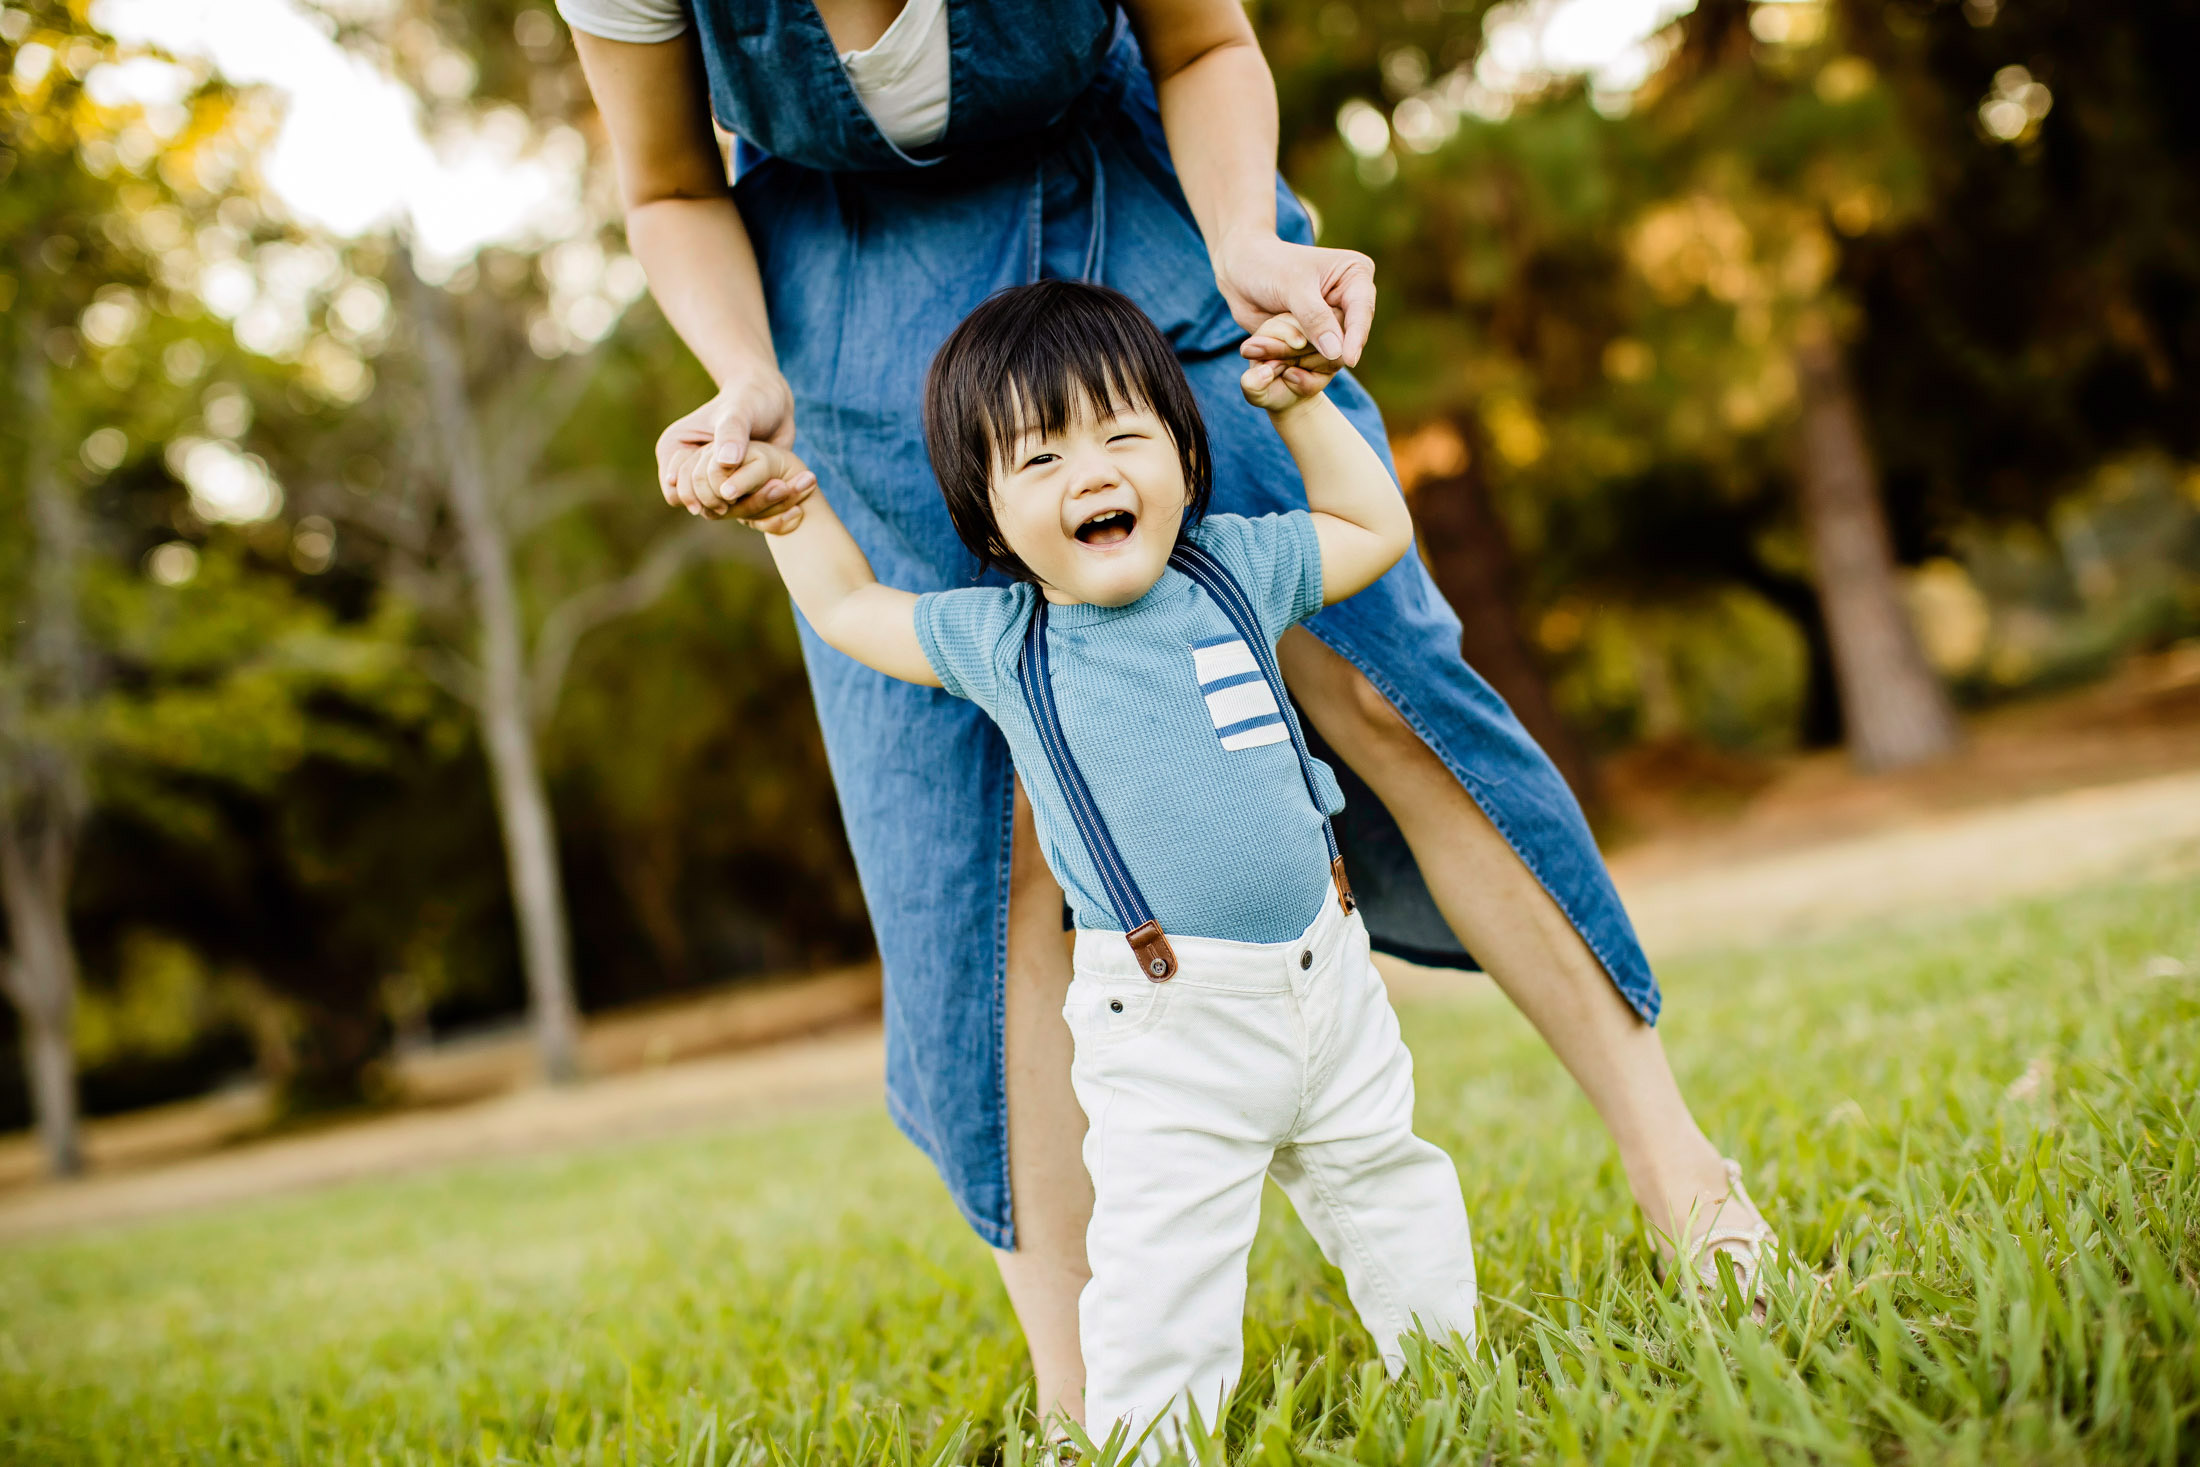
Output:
x=698 y=453
x=1330 y=293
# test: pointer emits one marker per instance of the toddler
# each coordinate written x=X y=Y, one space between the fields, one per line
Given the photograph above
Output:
x=1229 y=1024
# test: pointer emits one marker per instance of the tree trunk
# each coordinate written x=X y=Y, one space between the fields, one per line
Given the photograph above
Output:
x=41 y=981
x=1470 y=556
x=503 y=705
x=1894 y=709
x=49 y=1055
x=41 y=787
x=1796 y=598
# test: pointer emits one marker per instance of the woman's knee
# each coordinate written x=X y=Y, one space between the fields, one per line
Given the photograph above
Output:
x=1348 y=710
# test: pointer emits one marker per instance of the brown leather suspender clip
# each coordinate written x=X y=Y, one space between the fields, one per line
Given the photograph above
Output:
x=1155 y=955
x=1345 y=898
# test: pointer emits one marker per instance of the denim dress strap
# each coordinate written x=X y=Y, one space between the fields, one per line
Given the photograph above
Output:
x=1014 y=69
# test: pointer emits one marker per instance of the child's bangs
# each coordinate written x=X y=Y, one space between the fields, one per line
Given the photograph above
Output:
x=1042 y=392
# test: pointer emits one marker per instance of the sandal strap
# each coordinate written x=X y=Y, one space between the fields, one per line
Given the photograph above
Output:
x=1752 y=1237
x=1745 y=1244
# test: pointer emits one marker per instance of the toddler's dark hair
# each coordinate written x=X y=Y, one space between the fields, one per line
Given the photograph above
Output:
x=1029 y=357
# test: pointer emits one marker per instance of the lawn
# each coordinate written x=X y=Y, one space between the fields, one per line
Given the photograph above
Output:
x=1980 y=1130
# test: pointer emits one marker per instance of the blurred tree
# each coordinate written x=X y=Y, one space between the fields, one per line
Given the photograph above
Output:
x=257 y=547
x=1779 y=130
x=1433 y=363
x=1616 y=309
x=532 y=388
x=101 y=153
x=42 y=694
x=2038 y=310
x=62 y=238
x=493 y=407
x=1841 y=283
x=496 y=365
x=469 y=366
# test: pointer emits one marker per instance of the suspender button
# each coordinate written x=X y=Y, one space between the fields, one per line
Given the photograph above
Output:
x=1306 y=959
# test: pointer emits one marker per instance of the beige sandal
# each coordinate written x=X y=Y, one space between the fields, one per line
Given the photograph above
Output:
x=1747 y=1246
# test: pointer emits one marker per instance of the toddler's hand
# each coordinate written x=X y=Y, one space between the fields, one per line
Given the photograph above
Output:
x=780 y=481
x=1290 y=378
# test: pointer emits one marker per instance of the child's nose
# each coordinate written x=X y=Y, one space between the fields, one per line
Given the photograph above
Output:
x=1092 y=471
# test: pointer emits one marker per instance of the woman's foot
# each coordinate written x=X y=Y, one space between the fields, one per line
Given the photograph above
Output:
x=1046 y=1449
x=1718 y=1224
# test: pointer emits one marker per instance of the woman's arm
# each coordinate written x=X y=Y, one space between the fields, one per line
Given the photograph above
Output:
x=1360 y=518
x=827 y=575
x=1218 y=106
x=683 y=227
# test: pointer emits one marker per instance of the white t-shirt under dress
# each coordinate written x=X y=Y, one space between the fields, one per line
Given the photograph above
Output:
x=901 y=79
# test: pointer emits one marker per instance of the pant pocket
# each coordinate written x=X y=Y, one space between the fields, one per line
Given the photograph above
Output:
x=1102 y=1016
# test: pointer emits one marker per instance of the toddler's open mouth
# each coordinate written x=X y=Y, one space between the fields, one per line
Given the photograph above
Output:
x=1109 y=527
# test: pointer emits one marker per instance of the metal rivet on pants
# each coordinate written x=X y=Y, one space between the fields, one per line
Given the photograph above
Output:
x=1306 y=959
x=1115 y=1005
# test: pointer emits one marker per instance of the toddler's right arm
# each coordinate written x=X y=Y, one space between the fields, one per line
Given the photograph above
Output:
x=829 y=578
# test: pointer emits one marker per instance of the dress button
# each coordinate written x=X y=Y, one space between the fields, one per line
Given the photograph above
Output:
x=1306 y=959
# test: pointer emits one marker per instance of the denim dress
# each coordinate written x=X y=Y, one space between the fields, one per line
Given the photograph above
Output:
x=1053 y=165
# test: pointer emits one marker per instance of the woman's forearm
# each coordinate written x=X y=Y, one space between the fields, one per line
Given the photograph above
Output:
x=682 y=225
x=1218 y=107
x=703 y=272
x=680 y=218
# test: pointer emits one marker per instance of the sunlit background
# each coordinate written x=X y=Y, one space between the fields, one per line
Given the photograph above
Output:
x=311 y=307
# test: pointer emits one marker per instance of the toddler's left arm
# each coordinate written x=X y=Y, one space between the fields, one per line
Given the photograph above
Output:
x=1360 y=518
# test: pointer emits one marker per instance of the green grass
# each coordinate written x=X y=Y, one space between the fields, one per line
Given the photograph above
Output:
x=1981 y=1130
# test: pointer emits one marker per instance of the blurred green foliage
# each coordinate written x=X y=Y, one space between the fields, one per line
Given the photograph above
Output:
x=1589 y=302
x=1596 y=299
x=291 y=840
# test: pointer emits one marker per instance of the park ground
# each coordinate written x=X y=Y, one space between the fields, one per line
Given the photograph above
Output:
x=1968 y=1101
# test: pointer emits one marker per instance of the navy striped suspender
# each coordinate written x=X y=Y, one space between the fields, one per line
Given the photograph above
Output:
x=1215 y=579
x=1151 y=945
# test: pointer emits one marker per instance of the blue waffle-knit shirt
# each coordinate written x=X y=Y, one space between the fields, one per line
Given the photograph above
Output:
x=1167 y=715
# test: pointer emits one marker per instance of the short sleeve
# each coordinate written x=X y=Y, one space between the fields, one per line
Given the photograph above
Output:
x=1277 y=559
x=970 y=637
x=639 y=21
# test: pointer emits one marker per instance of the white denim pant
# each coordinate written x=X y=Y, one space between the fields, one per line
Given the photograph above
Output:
x=1257 y=1059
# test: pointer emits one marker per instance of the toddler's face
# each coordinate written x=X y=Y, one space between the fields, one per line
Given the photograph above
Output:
x=1094 y=509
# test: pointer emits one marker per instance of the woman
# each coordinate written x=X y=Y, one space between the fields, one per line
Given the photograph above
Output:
x=896 y=164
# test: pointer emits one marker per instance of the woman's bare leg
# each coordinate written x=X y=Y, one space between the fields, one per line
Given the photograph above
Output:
x=1513 y=927
x=1046 y=1132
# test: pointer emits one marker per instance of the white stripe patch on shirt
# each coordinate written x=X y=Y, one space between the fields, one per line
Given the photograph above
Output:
x=1224 y=657
x=1239 y=703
